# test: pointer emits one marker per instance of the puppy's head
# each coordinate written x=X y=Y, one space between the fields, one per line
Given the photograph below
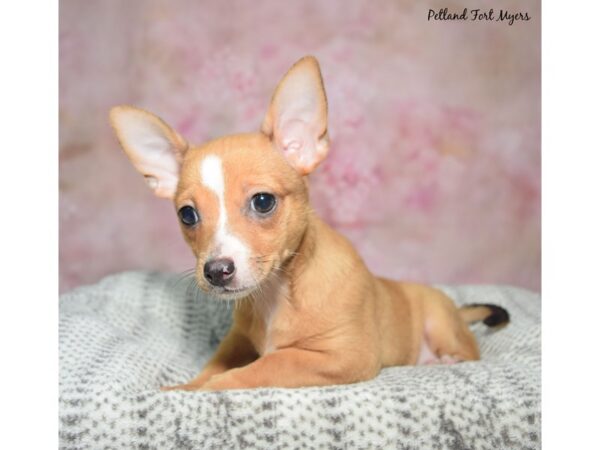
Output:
x=241 y=200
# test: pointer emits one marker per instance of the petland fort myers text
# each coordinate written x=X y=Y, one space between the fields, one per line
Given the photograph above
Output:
x=472 y=15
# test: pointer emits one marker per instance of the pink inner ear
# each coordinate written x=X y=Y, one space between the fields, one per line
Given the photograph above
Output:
x=296 y=141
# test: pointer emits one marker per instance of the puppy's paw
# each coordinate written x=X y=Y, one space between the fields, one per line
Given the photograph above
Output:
x=223 y=381
x=445 y=360
x=448 y=360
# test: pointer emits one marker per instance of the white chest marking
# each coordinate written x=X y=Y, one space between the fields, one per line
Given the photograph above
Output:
x=273 y=295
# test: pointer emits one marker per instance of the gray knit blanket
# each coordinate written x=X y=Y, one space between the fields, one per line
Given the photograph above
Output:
x=123 y=338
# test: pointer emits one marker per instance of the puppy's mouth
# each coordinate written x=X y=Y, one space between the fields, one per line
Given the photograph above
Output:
x=238 y=292
x=230 y=293
x=241 y=285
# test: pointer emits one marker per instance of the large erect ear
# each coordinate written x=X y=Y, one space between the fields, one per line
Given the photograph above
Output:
x=297 y=116
x=155 y=150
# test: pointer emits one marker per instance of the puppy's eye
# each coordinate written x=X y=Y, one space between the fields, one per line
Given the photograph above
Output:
x=188 y=216
x=263 y=203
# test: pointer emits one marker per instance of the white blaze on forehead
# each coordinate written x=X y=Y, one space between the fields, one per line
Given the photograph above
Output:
x=225 y=244
x=211 y=172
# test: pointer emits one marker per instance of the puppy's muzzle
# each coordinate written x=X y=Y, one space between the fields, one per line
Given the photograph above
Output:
x=219 y=272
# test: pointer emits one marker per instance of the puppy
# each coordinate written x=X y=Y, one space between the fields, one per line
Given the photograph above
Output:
x=309 y=312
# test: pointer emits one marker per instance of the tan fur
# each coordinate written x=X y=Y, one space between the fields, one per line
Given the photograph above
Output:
x=317 y=316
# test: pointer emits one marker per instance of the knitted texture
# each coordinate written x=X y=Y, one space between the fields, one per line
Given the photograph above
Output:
x=123 y=338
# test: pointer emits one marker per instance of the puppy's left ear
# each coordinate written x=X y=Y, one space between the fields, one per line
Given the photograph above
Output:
x=297 y=117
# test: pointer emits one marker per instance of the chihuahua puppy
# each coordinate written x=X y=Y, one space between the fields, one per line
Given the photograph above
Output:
x=309 y=312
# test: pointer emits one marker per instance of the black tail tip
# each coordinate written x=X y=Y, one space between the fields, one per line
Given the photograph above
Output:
x=498 y=316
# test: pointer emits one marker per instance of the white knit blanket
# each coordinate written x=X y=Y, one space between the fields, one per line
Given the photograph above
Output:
x=131 y=333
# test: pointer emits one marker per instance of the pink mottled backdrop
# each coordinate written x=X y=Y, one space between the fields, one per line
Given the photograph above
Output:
x=434 y=172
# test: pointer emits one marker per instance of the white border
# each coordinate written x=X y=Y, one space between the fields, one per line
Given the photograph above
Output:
x=29 y=233
x=571 y=224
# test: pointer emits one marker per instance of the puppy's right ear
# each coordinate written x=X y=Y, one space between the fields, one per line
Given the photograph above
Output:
x=154 y=148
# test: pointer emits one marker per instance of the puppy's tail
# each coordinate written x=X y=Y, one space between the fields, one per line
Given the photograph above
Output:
x=492 y=315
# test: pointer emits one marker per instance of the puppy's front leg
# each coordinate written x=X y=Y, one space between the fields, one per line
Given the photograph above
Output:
x=235 y=350
x=289 y=367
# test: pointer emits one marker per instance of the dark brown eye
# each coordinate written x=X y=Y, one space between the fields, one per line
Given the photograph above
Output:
x=188 y=216
x=263 y=203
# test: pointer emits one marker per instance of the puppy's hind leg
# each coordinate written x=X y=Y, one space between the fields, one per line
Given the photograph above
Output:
x=447 y=338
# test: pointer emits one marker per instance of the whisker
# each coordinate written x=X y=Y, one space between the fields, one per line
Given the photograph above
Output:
x=182 y=276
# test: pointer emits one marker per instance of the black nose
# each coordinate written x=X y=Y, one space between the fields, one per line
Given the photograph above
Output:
x=219 y=272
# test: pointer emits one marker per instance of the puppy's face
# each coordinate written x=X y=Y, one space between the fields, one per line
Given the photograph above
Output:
x=241 y=200
x=242 y=209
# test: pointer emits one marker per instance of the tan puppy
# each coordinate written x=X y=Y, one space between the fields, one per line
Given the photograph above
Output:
x=309 y=312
